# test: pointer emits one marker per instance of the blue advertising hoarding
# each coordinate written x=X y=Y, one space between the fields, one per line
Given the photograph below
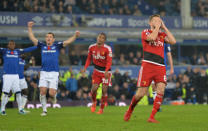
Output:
x=105 y=21
x=200 y=23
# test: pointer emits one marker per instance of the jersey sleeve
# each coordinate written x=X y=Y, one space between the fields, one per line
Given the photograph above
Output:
x=109 y=59
x=167 y=48
x=29 y=49
x=2 y=50
x=89 y=58
x=60 y=44
x=40 y=44
x=145 y=33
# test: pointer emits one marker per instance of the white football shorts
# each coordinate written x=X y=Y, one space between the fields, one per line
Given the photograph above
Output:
x=49 y=79
x=11 y=82
x=23 y=84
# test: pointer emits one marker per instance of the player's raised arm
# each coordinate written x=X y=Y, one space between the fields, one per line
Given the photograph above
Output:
x=71 y=39
x=170 y=38
x=30 y=33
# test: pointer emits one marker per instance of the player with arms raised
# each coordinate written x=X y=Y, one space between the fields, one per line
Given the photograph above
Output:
x=10 y=74
x=101 y=56
x=50 y=64
x=153 y=67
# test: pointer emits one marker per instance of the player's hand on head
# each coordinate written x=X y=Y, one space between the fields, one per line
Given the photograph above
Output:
x=77 y=33
x=30 y=23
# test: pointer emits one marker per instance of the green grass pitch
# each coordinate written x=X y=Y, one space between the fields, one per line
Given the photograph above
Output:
x=172 y=118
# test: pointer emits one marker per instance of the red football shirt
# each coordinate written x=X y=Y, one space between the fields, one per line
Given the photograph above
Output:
x=100 y=56
x=155 y=48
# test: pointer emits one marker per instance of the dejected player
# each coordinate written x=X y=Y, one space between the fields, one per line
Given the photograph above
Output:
x=153 y=67
x=101 y=56
x=50 y=64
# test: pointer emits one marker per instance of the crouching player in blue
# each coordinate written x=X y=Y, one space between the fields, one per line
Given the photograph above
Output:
x=10 y=74
x=50 y=64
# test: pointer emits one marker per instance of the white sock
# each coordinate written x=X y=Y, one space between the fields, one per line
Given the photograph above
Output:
x=154 y=93
x=43 y=101
x=19 y=101
x=24 y=101
x=4 y=101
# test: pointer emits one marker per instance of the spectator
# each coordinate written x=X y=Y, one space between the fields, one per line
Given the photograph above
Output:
x=117 y=77
x=63 y=58
x=137 y=12
x=202 y=94
x=32 y=61
x=177 y=92
x=66 y=76
x=61 y=96
x=115 y=92
x=72 y=86
x=124 y=91
x=126 y=77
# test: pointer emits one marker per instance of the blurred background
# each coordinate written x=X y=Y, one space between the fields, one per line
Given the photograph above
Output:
x=123 y=22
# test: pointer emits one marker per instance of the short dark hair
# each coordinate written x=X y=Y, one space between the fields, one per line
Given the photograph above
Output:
x=152 y=16
x=102 y=33
x=12 y=41
x=51 y=34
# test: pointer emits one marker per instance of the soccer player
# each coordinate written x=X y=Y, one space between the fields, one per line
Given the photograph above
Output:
x=153 y=67
x=50 y=67
x=101 y=56
x=167 y=55
x=10 y=77
x=22 y=81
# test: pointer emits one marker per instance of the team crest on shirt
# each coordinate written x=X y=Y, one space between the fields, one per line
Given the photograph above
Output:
x=144 y=82
x=53 y=47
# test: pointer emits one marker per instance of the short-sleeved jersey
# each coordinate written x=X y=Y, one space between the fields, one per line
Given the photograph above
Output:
x=50 y=56
x=21 y=68
x=11 y=59
x=153 y=51
x=100 y=56
x=166 y=50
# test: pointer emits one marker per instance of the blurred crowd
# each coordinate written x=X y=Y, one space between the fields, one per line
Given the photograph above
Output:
x=190 y=86
x=196 y=59
x=118 y=7
x=199 y=8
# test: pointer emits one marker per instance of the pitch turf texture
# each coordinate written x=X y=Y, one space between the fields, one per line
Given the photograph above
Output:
x=172 y=118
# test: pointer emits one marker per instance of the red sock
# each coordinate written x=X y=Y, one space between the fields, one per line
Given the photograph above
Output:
x=133 y=103
x=103 y=100
x=93 y=94
x=156 y=105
